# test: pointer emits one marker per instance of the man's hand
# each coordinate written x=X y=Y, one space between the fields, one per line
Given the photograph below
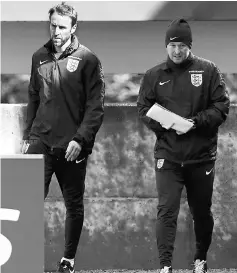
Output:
x=167 y=126
x=73 y=150
x=193 y=127
x=25 y=146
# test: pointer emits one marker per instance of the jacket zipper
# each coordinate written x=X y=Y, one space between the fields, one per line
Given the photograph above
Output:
x=54 y=87
x=182 y=164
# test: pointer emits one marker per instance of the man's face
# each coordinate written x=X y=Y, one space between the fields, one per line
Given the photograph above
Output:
x=60 y=29
x=177 y=51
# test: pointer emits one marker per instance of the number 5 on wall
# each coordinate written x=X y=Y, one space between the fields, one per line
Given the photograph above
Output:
x=5 y=244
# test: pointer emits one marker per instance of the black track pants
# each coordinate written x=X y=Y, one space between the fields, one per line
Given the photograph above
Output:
x=71 y=179
x=170 y=179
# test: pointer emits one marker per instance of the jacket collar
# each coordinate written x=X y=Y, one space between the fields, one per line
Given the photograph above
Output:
x=68 y=51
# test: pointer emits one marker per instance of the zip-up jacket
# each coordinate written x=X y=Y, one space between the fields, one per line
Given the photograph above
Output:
x=66 y=97
x=195 y=91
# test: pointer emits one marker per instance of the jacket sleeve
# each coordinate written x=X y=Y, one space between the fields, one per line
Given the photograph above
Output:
x=94 y=109
x=145 y=101
x=33 y=101
x=218 y=109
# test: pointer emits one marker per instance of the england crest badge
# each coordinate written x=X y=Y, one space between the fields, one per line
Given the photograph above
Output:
x=196 y=79
x=160 y=163
x=72 y=64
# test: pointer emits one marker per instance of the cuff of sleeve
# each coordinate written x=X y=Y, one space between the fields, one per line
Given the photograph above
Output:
x=157 y=125
x=79 y=140
x=25 y=136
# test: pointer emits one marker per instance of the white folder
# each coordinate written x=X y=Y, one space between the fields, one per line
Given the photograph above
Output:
x=167 y=118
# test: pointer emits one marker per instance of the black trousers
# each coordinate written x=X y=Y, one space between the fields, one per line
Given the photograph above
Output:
x=198 y=180
x=71 y=179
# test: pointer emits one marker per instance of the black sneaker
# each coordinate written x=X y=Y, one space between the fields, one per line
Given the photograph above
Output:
x=65 y=267
x=200 y=266
x=166 y=269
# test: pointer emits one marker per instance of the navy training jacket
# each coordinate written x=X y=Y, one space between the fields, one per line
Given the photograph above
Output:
x=196 y=91
x=66 y=97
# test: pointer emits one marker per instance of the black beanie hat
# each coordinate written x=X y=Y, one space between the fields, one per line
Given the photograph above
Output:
x=179 y=31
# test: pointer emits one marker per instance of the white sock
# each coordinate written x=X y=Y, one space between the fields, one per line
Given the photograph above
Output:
x=71 y=261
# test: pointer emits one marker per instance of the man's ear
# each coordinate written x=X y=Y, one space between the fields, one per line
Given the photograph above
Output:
x=73 y=28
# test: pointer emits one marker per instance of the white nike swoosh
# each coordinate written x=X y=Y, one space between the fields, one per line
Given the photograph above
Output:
x=161 y=83
x=207 y=173
x=78 y=161
x=173 y=38
x=43 y=62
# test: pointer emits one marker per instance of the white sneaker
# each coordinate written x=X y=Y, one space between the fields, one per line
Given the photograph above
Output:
x=166 y=269
x=200 y=266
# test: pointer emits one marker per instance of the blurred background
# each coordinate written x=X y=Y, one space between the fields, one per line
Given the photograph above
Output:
x=120 y=88
x=128 y=37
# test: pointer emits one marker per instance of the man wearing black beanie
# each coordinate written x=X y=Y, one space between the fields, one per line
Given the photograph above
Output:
x=193 y=88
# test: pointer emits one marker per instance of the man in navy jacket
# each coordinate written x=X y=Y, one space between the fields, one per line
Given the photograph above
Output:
x=193 y=88
x=64 y=114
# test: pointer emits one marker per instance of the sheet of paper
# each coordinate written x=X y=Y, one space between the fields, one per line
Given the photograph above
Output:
x=167 y=118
